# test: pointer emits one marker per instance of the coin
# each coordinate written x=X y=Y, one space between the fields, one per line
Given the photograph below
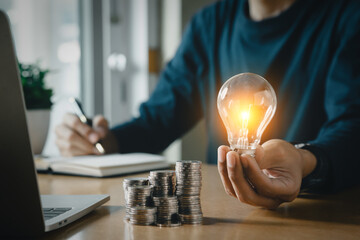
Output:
x=163 y=182
x=169 y=224
x=141 y=215
x=167 y=208
x=135 y=181
x=137 y=196
x=172 y=198
x=188 y=188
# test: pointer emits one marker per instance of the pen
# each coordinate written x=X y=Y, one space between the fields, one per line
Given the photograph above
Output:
x=80 y=113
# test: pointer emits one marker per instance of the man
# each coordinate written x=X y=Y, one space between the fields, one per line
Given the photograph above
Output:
x=308 y=50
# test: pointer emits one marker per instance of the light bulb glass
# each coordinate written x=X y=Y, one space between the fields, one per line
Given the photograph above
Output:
x=246 y=104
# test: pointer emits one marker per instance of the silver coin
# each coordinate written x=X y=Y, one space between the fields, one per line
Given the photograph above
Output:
x=170 y=192
x=169 y=224
x=136 y=180
x=141 y=215
x=188 y=188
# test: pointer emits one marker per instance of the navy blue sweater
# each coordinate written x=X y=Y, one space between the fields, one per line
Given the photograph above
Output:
x=310 y=54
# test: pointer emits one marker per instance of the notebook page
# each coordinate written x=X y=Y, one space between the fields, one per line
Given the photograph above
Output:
x=112 y=160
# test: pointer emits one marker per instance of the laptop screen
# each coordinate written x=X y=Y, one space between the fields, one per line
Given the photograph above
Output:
x=19 y=198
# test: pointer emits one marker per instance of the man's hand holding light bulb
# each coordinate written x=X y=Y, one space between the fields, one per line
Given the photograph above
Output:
x=264 y=175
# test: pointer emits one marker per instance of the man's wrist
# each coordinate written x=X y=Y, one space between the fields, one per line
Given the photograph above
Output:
x=308 y=160
x=318 y=176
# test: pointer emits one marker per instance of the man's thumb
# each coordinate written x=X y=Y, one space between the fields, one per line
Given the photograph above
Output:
x=101 y=125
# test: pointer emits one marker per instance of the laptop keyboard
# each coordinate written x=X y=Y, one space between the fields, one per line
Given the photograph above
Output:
x=50 y=213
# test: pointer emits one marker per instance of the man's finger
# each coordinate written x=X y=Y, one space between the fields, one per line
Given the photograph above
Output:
x=69 y=150
x=73 y=122
x=72 y=140
x=265 y=185
x=242 y=188
x=101 y=125
x=222 y=151
x=100 y=121
x=259 y=155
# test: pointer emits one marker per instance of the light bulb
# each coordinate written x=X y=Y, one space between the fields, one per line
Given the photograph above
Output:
x=246 y=104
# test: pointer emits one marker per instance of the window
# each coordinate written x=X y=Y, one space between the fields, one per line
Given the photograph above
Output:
x=98 y=50
x=48 y=32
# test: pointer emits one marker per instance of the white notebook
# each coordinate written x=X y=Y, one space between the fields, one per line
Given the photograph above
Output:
x=102 y=166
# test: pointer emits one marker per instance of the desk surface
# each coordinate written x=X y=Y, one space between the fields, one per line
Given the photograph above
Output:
x=309 y=217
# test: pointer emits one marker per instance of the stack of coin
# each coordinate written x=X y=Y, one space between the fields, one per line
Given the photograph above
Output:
x=163 y=182
x=191 y=218
x=135 y=181
x=167 y=211
x=139 y=196
x=190 y=209
x=188 y=187
x=129 y=182
x=142 y=215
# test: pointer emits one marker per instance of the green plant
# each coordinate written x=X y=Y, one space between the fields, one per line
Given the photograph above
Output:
x=37 y=96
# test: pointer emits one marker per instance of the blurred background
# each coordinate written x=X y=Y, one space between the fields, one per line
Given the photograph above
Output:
x=107 y=53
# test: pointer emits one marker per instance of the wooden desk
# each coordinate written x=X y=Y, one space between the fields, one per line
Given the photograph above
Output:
x=311 y=217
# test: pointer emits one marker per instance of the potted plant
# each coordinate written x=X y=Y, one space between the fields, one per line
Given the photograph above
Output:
x=38 y=103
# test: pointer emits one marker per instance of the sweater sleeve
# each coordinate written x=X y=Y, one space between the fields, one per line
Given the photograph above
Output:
x=338 y=140
x=175 y=106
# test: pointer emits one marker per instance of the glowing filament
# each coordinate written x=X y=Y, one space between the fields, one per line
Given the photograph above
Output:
x=245 y=116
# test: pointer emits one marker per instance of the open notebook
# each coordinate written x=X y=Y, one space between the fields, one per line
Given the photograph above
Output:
x=101 y=166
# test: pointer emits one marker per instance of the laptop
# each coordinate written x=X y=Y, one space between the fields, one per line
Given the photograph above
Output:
x=23 y=211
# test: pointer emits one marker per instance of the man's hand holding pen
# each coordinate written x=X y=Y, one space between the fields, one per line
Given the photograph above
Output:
x=77 y=138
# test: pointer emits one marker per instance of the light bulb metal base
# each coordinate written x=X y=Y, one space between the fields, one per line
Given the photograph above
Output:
x=250 y=152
